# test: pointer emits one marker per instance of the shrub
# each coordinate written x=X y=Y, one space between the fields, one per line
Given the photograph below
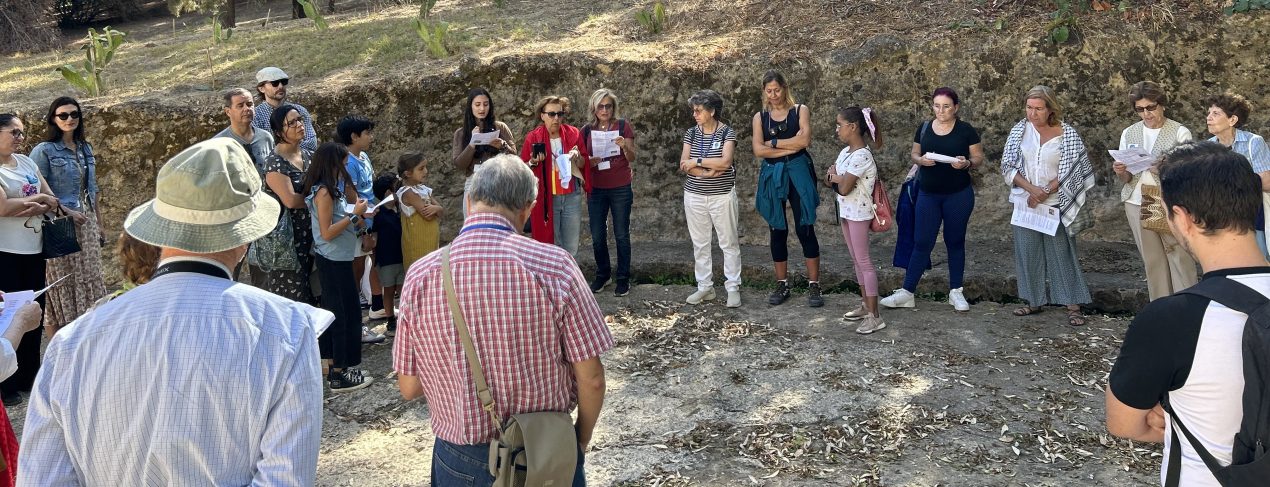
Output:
x=27 y=26
x=654 y=21
x=98 y=52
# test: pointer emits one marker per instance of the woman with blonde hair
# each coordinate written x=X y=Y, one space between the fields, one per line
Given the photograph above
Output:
x=555 y=152
x=1045 y=163
x=610 y=193
x=781 y=136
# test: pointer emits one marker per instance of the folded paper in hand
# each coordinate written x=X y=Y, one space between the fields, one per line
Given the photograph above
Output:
x=1135 y=160
x=940 y=158
x=1043 y=218
x=603 y=143
x=483 y=138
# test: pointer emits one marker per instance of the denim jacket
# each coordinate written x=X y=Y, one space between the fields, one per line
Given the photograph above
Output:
x=58 y=165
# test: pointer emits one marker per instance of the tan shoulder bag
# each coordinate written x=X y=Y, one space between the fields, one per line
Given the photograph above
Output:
x=532 y=448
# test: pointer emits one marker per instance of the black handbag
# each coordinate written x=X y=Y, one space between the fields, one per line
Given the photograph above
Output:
x=59 y=234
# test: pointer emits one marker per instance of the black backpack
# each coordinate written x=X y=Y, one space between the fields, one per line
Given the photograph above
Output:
x=1250 y=465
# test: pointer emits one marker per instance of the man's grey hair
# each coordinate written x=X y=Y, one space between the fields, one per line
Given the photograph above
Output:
x=505 y=182
x=709 y=100
x=232 y=92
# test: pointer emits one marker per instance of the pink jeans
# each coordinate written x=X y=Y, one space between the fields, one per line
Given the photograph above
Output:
x=857 y=236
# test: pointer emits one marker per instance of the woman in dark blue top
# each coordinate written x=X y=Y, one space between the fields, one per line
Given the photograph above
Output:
x=781 y=136
x=946 y=197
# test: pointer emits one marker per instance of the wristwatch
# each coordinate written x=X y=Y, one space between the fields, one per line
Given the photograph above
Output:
x=774 y=143
x=352 y=219
x=698 y=162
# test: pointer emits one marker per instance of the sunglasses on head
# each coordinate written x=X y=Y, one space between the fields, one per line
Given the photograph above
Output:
x=277 y=83
x=68 y=115
x=1148 y=108
x=554 y=114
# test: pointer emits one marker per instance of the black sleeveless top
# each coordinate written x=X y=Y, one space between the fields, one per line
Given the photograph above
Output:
x=784 y=129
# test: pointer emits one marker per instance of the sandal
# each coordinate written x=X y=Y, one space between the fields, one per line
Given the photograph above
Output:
x=1076 y=318
x=1028 y=310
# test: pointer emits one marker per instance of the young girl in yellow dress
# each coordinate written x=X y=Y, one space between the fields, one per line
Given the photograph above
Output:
x=420 y=213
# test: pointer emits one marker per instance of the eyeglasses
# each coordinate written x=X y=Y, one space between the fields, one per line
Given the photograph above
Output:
x=1149 y=108
x=294 y=122
x=554 y=114
x=276 y=83
x=604 y=106
x=68 y=115
x=17 y=134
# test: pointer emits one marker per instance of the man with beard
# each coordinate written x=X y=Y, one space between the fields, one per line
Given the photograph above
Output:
x=271 y=83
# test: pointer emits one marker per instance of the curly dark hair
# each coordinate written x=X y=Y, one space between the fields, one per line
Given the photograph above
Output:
x=1233 y=105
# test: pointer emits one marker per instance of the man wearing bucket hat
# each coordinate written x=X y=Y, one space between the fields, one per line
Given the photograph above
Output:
x=271 y=83
x=207 y=381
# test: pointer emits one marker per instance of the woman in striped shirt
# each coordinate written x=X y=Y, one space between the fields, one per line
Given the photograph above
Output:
x=710 y=196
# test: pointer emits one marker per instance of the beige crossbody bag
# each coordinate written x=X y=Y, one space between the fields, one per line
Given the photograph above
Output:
x=535 y=449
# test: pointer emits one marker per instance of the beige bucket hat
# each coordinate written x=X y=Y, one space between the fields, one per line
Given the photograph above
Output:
x=207 y=200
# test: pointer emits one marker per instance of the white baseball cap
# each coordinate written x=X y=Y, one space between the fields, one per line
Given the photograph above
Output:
x=270 y=73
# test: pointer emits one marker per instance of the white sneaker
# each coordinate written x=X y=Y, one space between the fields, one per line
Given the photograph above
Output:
x=377 y=314
x=734 y=299
x=870 y=325
x=701 y=295
x=901 y=298
x=369 y=336
x=958 y=301
x=856 y=314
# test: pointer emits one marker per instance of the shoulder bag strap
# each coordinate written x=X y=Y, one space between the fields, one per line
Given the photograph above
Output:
x=473 y=361
x=1176 y=453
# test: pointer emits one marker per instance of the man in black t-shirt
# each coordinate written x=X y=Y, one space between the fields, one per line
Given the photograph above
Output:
x=1186 y=346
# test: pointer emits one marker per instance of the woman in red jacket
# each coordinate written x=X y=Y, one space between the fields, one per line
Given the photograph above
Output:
x=555 y=152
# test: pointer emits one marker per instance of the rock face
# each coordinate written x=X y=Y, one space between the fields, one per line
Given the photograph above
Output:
x=133 y=138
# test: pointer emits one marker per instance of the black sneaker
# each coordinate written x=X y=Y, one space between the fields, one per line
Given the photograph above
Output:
x=623 y=287
x=11 y=399
x=814 y=299
x=349 y=380
x=780 y=294
x=598 y=284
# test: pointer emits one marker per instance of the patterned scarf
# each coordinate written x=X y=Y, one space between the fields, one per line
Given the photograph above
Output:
x=1075 y=174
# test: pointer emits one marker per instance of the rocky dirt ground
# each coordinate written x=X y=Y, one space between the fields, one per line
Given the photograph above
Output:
x=789 y=395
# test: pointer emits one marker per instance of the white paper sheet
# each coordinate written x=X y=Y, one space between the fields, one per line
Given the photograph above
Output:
x=604 y=165
x=1043 y=218
x=483 y=138
x=602 y=143
x=13 y=301
x=564 y=167
x=1136 y=159
x=940 y=158
x=391 y=197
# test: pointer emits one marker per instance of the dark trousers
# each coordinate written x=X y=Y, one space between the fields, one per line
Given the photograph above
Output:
x=468 y=466
x=600 y=203
x=23 y=273
x=953 y=211
x=342 y=341
x=806 y=233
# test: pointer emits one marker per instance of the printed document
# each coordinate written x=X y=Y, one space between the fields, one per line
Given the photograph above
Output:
x=1136 y=160
x=1043 y=218
x=483 y=138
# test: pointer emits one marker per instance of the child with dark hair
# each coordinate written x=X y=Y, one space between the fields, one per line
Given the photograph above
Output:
x=387 y=230
x=420 y=213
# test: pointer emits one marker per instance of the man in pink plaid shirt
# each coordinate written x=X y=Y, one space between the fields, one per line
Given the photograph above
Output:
x=536 y=326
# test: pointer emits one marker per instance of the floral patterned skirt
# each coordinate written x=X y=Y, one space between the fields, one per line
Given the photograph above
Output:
x=78 y=293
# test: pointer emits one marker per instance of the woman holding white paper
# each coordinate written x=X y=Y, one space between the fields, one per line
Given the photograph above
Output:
x=478 y=120
x=1227 y=113
x=555 y=152
x=611 y=141
x=1046 y=159
x=946 y=197
x=24 y=197
x=1169 y=268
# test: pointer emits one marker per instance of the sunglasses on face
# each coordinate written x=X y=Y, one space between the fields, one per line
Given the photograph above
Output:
x=277 y=83
x=604 y=106
x=68 y=115
x=1148 y=108
x=17 y=134
x=554 y=114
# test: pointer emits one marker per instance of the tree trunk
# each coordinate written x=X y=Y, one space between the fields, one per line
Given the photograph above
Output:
x=297 y=10
x=330 y=7
x=228 y=16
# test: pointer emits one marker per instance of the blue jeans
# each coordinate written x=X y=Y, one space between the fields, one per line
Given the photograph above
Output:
x=566 y=217
x=600 y=203
x=953 y=211
x=468 y=466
